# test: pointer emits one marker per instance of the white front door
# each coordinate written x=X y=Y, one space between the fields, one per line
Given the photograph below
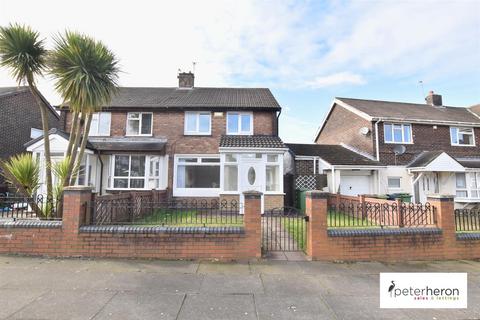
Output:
x=252 y=175
x=428 y=185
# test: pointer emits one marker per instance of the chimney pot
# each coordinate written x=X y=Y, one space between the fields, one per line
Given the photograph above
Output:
x=434 y=99
x=186 y=80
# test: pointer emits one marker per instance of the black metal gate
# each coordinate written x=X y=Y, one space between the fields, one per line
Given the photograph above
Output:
x=284 y=229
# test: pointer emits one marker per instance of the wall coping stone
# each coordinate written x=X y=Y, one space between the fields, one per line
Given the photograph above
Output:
x=30 y=224
x=441 y=197
x=78 y=188
x=468 y=236
x=316 y=194
x=161 y=229
x=381 y=232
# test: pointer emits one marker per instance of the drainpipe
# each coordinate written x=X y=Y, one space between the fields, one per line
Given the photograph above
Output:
x=376 y=140
x=101 y=172
x=334 y=189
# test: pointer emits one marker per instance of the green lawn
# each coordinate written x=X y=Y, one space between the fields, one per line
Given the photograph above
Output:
x=296 y=227
x=342 y=220
x=190 y=218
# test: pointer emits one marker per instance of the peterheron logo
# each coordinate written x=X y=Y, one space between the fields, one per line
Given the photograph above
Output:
x=423 y=290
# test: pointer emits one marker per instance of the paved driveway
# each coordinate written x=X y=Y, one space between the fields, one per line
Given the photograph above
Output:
x=34 y=288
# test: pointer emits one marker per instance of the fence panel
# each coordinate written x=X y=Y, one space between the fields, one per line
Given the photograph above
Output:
x=467 y=220
x=20 y=207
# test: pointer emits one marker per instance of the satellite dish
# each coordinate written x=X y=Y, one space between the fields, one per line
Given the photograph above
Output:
x=399 y=149
x=364 y=130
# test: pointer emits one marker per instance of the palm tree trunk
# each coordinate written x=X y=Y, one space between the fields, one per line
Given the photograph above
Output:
x=73 y=154
x=83 y=145
x=73 y=130
x=46 y=141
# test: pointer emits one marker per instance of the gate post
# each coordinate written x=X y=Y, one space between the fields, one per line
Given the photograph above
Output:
x=316 y=210
x=74 y=210
x=253 y=222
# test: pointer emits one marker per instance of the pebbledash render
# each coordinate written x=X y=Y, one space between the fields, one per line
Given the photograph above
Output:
x=384 y=147
x=192 y=142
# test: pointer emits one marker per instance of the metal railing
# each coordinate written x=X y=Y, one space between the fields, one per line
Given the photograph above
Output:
x=467 y=220
x=141 y=211
x=20 y=207
x=378 y=215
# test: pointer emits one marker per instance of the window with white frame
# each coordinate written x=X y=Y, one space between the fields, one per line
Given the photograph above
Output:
x=198 y=123
x=139 y=123
x=100 y=125
x=197 y=172
x=240 y=123
x=135 y=172
x=272 y=173
x=397 y=133
x=394 y=182
x=462 y=136
x=230 y=172
x=468 y=185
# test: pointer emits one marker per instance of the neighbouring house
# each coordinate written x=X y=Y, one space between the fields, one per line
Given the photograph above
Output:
x=193 y=142
x=399 y=147
x=20 y=121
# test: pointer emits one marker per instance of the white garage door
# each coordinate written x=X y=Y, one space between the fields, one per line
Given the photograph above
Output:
x=354 y=185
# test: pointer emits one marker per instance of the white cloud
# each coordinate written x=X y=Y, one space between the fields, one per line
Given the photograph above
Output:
x=279 y=44
x=341 y=78
x=297 y=130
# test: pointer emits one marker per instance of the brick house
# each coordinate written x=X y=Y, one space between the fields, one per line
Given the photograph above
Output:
x=193 y=142
x=20 y=121
x=419 y=149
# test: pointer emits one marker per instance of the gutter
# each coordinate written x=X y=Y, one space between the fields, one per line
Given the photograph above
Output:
x=101 y=171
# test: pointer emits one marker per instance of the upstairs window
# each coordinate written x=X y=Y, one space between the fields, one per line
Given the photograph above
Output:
x=240 y=123
x=462 y=136
x=100 y=125
x=139 y=124
x=397 y=133
x=197 y=123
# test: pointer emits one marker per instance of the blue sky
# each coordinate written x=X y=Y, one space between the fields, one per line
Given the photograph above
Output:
x=307 y=52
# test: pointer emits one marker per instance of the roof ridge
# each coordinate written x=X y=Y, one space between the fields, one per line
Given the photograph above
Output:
x=390 y=101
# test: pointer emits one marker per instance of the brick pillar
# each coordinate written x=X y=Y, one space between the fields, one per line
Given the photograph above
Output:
x=445 y=217
x=253 y=222
x=316 y=210
x=74 y=210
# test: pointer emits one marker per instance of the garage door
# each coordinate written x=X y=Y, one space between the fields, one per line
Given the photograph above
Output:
x=354 y=185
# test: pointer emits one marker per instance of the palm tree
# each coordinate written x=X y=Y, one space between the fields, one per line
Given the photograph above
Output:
x=86 y=75
x=23 y=52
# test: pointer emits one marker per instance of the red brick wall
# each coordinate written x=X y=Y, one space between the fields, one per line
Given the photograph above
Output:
x=414 y=246
x=69 y=241
x=342 y=126
x=425 y=137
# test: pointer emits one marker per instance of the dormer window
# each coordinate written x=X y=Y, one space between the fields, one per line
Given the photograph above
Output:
x=462 y=136
x=397 y=133
x=240 y=123
x=139 y=124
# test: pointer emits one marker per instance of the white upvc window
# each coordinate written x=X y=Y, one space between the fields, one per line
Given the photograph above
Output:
x=273 y=173
x=135 y=171
x=462 y=136
x=394 y=182
x=139 y=123
x=198 y=123
x=397 y=133
x=196 y=175
x=240 y=123
x=100 y=125
x=230 y=172
x=468 y=185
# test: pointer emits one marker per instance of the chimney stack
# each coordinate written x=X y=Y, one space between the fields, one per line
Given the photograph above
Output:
x=185 y=80
x=434 y=99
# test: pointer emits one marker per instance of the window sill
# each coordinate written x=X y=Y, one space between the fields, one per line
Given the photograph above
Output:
x=134 y=189
x=463 y=145
x=385 y=142
x=197 y=134
x=139 y=135
x=239 y=134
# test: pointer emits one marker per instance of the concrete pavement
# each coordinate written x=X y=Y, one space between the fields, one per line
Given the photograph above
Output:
x=37 y=288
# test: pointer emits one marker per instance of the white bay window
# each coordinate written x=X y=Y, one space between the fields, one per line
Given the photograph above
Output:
x=135 y=172
x=197 y=176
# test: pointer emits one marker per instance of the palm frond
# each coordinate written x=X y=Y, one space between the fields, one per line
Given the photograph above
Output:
x=22 y=169
x=22 y=51
x=85 y=71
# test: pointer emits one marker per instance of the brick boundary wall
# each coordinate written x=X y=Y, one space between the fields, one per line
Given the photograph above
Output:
x=70 y=238
x=441 y=242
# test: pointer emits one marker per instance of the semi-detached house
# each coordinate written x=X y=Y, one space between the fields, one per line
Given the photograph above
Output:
x=382 y=147
x=193 y=142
